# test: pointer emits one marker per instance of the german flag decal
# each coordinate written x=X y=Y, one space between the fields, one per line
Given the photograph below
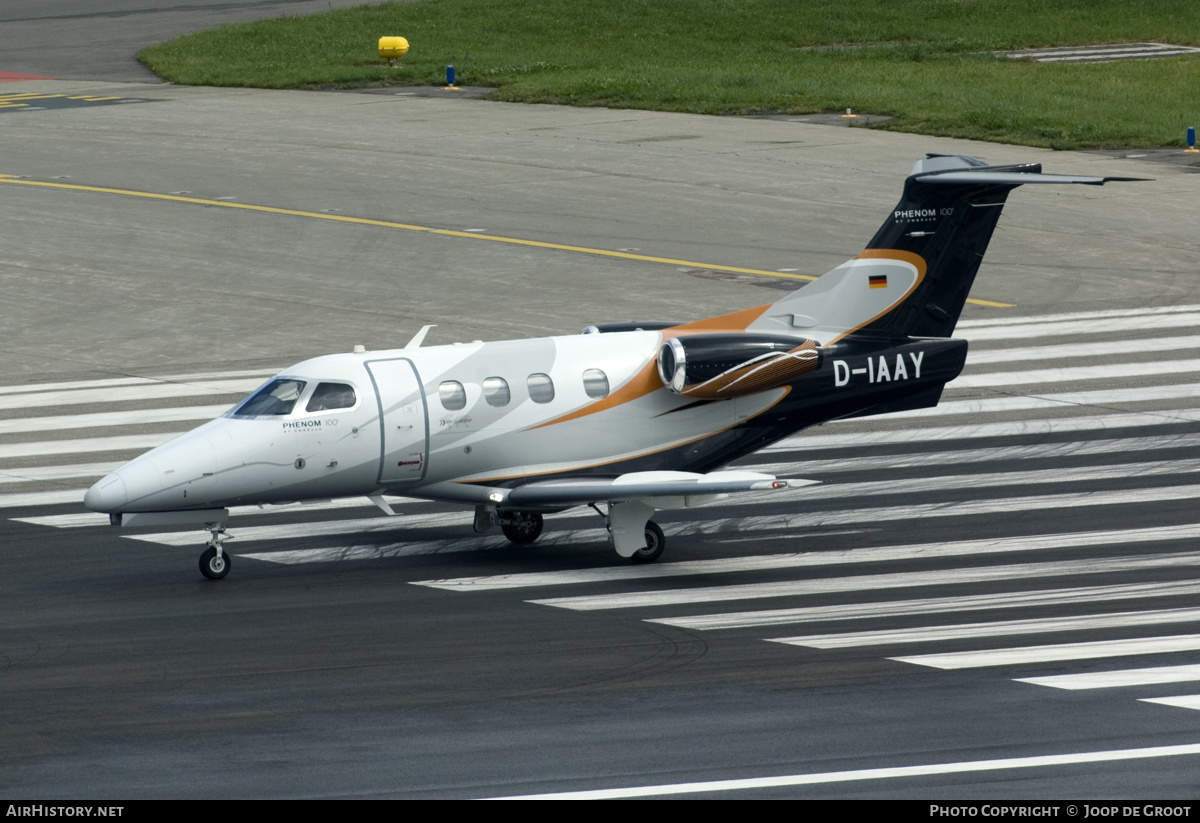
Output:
x=877 y=281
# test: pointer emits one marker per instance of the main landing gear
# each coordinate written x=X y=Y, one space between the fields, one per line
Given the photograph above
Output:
x=655 y=543
x=523 y=528
x=214 y=562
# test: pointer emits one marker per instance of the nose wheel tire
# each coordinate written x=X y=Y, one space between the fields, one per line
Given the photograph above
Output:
x=655 y=543
x=213 y=567
x=522 y=527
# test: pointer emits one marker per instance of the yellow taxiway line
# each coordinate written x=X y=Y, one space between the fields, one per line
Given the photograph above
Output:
x=387 y=224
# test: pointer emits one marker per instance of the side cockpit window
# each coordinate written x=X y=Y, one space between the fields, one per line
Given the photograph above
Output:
x=276 y=398
x=329 y=396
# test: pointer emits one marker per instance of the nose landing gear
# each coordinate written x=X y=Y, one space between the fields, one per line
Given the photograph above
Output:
x=214 y=562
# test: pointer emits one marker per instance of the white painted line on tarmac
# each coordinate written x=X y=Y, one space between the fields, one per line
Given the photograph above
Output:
x=415 y=548
x=1118 y=679
x=51 y=498
x=1070 y=327
x=295 y=531
x=1095 y=348
x=814 y=559
x=1187 y=701
x=1051 y=320
x=1025 y=655
x=125 y=442
x=1061 y=401
x=1063 y=425
x=109 y=382
x=40 y=474
x=869 y=583
x=1139 y=445
x=1003 y=628
x=932 y=605
x=982 y=480
x=138 y=417
x=153 y=391
x=1071 y=374
x=794 y=523
x=889 y=773
x=85 y=519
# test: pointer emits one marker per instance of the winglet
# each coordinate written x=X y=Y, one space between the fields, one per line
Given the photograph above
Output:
x=419 y=337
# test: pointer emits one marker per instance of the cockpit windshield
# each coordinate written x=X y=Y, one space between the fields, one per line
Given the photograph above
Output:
x=277 y=398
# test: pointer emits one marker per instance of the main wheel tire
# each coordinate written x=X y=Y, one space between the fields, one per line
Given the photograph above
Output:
x=213 y=567
x=655 y=543
x=522 y=528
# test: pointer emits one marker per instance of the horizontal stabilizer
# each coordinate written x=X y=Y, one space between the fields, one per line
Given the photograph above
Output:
x=1018 y=178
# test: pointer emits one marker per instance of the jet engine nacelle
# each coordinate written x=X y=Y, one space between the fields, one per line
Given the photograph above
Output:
x=721 y=366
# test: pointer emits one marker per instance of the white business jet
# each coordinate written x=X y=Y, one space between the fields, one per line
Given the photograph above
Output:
x=633 y=417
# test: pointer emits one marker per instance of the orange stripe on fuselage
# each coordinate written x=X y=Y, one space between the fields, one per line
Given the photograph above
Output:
x=786 y=390
x=647 y=380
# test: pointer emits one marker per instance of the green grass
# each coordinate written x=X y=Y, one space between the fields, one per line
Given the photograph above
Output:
x=926 y=62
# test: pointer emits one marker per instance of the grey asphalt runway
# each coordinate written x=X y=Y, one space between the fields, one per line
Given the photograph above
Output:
x=76 y=40
x=204 y=238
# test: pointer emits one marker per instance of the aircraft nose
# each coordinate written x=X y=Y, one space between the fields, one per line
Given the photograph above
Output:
x=108 y=495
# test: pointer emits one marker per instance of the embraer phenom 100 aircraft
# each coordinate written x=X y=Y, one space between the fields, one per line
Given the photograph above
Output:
x=635 y=416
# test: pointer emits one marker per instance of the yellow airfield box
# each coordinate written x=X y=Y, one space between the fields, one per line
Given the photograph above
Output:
x=392 y=48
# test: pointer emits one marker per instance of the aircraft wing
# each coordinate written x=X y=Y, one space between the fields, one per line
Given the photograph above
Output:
x=643 y=485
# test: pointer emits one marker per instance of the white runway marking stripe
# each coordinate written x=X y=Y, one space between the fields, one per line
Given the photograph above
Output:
x=1071 y=374
x=412 y=548
x=1118 y=679
x=890 y=773
x=794 y=524
x=1025 y=655
x=1051 y=451
x=914 y=511
x=982 y=480
x=91 y=519
x=815 y=559
x=971 y=631
x=1190 y=701
x=99 y=420
x=125 y=442
x=371 y=525
x=1066 y=425
x=1062 y=326
x=867 y=583
x=934 y=605
x=154 y=391
x=757 y=524
x=109 y=382
x=40 y=474
x=1095 y=348
x=51 y=498
x=1060 y=401
x=1052 y=320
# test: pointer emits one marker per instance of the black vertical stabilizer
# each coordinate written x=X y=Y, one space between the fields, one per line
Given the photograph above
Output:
x=949 y=209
